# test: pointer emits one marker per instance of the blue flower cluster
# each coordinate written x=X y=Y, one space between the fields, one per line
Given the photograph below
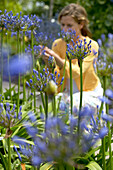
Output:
x=68 y=35
x=40 y=80
x=80 y=50
x=105 y=58
x=59 y=142
x=18 y=22
x=8 y=115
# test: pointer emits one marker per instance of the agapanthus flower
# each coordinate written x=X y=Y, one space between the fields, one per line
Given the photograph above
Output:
x=8 y=115
x=33 y=22
x=18 y=64
x=68 y=35
x=44 y=81
x=80 y=50
x=19 y=22
x=105 y=57
x=59 y=135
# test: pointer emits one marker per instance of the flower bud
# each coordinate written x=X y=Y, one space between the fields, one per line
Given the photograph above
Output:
x=51 y=88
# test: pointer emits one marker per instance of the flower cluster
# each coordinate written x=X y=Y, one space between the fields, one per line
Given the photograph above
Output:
x=105 y=58
x=44 y=81
x=17 y=22
x=59 y=143
x=80 y=50
x=8 y=115
x=68 y=35
x=18 y=64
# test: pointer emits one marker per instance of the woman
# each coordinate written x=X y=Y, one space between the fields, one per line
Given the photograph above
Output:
x=74 y=17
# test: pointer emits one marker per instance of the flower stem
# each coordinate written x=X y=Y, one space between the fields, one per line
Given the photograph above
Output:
x=81 y=91
x=108 y=124
x=1 y=61
x=18 y=75
x=24 y=91
x=103 y=140
x=81 y=85
x=46 y=106
x=7 y=38
x=33 y=67
x=54 y=106
x=103 y=154
x=71 y=87
x=9 y=154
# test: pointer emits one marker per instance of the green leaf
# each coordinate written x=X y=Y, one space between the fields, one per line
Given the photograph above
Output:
x=91 y=152
x=3 y=161
x=47 y=166
x=93 y=166
x=16 y=131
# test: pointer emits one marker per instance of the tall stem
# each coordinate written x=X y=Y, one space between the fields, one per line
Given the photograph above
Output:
x=108 y=124
x=71 y=87
x=54 y=106
x=8 y=68
x=33 y=67
x=81 y=92
x=1 y=57
x=19 y=74
x=81 y=85
x=46 y=106
x=24 y=91
x=103 y=140
x=9 y=154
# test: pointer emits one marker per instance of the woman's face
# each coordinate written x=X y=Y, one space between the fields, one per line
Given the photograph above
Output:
x=67 y=22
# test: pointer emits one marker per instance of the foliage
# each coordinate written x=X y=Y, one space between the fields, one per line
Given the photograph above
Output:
x=55 y=139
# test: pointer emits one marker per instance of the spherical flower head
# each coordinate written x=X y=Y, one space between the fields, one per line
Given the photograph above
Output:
x=51 y=88
x=68 y=35
x=80 y=50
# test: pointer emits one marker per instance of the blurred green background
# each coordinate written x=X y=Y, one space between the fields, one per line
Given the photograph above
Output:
x=100 y=12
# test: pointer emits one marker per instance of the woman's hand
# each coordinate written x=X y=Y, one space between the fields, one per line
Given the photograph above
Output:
x=48 y=52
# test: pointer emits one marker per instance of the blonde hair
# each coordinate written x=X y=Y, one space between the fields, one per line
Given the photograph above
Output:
x=79 y=14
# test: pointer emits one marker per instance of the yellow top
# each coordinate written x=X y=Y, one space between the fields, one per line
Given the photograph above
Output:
x=90 y=79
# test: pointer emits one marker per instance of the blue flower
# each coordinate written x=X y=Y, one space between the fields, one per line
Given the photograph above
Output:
x=19 y=140
x=36 y=161
x=19 y=64
x=103 y=132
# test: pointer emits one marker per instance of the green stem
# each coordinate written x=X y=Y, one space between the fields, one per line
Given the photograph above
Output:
x=81 y=85
x=18 y=75
x=108 y=125
x=8 y=68
x=103 y=140
x=24 y=91
x=46 y=106
x=33 y=67
x=81 y=92
x=9 y=154
x=54 y=106
x=71 y=87
x=103 y=154
x=1 y=75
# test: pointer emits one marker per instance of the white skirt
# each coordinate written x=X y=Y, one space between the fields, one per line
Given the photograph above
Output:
x=90 y=98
